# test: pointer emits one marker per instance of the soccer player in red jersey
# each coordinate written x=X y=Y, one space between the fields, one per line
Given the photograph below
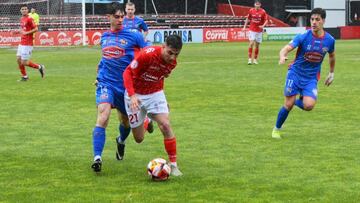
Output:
x=144 y=82
x=258 y=20
x=27 y=29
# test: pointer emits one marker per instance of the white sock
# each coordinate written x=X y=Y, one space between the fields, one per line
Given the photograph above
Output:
x=97 y=157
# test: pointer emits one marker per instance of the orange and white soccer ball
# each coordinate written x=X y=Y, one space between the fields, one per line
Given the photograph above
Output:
x=158 y=169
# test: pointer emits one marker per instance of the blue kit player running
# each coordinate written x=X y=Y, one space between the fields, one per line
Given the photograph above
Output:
x=117 y=47
x=304 y=72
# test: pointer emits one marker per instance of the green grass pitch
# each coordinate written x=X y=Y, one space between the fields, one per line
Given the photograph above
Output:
x=222 y=111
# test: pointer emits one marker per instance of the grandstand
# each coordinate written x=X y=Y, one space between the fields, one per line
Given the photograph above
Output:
x=57 y=16
x=99 y=22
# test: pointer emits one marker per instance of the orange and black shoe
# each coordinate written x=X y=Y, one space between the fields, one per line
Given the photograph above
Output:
x=148 y=125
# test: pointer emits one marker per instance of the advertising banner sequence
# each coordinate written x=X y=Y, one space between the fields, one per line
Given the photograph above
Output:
x=74 y=38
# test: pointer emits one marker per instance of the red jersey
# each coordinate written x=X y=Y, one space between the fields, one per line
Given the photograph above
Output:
x=27 y=24
x=257 y=18
x=146 y=73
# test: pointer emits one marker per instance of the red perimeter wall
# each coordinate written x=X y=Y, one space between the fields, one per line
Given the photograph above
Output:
x=350 y=32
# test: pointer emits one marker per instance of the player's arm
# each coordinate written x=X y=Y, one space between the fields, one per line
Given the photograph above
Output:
x=145 y=28
x=266 y=22
x=29 y=32
x=33 y=25
x=284 y=52
x=330 y=77
x=246 y=22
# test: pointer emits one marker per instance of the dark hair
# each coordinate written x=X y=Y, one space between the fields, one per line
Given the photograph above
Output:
x=114 y=7
x=319 y=11
x=24 y=5
x=257 y=1
x=174 y=41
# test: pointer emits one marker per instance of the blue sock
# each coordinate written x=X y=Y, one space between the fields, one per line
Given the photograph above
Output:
x=98 y=140
x=124 y=132
x=283 y=114
x=299 y=103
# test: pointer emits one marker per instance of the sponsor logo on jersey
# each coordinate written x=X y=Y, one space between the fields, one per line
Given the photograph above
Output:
x=113 y=52
x=313 y=57
x=146 y=76
x=149 y=50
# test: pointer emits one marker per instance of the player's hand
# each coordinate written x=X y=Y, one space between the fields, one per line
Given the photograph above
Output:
x=282 y=60
x=134 y=103
x=261 y=26
x=23 y=32
x=329 y=79
x=243 y=29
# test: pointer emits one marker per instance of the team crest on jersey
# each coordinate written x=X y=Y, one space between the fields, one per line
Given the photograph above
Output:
x=113 y=52
x=288 y=89
x=104 y=96
x=325 y=49
x=134 y=64
x=123 y=42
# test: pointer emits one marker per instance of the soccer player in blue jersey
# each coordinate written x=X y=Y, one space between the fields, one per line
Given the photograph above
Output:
x=134 y=22
x=117 y=46
x=304 y=72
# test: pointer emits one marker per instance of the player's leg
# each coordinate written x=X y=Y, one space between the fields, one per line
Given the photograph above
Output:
x=163 y=122
x=258 y=40
x=99 y=134
x=124 y=126
x=25 y=60
x=104 y=101
x=159 y=111
x=250 y=50
x=310 y=93
x=290 y=92
x=251 y=45
x=24 y=76
x=124 y=129
x=136 y=119
x=282 y=115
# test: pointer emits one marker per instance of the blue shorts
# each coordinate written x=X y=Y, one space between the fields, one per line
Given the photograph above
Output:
x=296 y=84
x=108 y=94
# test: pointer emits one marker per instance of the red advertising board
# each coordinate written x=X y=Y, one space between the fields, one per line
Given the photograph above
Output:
x=53 y=38
x=225 y=34
x=350 y=32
